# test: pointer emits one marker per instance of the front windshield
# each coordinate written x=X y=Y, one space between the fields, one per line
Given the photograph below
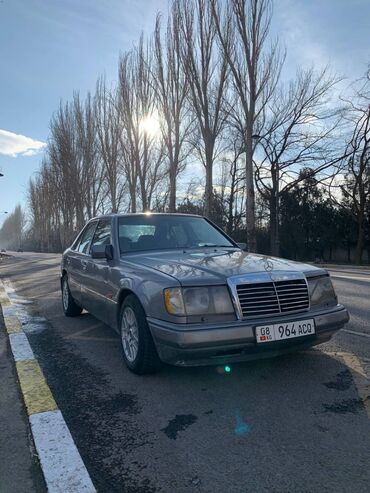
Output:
x=157 y=232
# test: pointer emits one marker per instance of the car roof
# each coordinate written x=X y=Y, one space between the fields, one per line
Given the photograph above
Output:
x=130 y=214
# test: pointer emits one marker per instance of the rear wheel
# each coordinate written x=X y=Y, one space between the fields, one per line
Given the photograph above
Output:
x=138 y=348
x=70 y=307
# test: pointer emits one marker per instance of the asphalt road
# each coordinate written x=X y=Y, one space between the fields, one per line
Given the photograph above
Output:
x=296 y=423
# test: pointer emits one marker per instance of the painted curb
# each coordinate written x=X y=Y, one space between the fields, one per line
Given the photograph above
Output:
x=61 y=463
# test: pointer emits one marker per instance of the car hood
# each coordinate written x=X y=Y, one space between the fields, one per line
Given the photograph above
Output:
x=215 y=266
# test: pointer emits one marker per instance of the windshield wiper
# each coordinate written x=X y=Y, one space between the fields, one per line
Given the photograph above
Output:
x=205 y=245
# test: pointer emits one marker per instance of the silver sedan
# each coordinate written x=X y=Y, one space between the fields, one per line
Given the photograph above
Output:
x=179 y=290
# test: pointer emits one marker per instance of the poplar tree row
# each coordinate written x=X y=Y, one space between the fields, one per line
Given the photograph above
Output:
x=203 y=92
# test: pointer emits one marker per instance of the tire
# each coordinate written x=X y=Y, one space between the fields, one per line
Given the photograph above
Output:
x=70 y=307
x=138 y=347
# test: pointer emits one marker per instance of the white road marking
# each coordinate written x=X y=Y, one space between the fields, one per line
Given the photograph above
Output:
x=20 y=346
x=61 y=463
x=357 y=278
x=362 y=334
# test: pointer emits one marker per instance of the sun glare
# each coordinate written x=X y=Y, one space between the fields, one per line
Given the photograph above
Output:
x=149 y=125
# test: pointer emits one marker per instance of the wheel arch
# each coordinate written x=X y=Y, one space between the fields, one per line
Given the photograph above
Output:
x=123 y=294
x=63 y=273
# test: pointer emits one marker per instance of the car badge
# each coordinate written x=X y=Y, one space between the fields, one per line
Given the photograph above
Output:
x=268 y=266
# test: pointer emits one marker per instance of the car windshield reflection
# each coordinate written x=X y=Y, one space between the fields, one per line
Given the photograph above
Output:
x=167 y=232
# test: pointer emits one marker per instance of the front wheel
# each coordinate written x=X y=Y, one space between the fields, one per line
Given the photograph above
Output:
x=70 y=307
x=138 y=348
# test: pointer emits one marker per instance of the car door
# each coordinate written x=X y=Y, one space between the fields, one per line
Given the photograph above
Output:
x=96 y=290
x=76 y=260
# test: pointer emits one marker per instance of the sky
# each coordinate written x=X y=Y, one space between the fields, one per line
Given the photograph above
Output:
x=49 y=48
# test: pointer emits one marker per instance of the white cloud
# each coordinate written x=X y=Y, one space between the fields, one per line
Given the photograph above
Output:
x=14 y=145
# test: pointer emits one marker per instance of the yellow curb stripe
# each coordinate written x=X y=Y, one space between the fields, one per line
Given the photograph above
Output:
x=12 y=324
x=36 y=393
x=61 y=463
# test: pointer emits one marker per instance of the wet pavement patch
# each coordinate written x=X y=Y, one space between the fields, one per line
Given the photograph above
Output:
x=343 y=381
x=346 y=406
x=179 y=423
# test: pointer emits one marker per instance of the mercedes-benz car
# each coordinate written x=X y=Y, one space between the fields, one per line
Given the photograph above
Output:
x=179 y=290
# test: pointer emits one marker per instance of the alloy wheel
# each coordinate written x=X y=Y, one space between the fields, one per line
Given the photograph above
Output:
x=65 y=294
x=130 y=334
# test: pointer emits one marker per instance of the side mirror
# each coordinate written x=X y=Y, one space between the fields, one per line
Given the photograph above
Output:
x=242 y=246
x=109 y=252
x=102 y=251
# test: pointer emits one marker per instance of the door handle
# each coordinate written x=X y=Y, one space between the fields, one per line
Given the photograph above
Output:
x=84 y=264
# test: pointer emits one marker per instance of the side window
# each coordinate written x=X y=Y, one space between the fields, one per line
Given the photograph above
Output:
x=102 y=234
x=76 y=242
x=84 y=244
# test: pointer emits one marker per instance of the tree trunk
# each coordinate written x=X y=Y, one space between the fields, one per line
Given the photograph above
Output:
x=133 y=198
x=250 y=205
x=144 y=195
x=172 y=205
x=360 y=239
x=274 y=226
x=114 y=203
x=208 y=192
x=230 y=219
x=274 y=215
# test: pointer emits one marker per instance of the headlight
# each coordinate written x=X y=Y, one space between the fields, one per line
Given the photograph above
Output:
x=198 y=301
x=173 y=301
x=321 y=291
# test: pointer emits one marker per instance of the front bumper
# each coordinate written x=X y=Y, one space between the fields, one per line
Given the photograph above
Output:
x=203 y=344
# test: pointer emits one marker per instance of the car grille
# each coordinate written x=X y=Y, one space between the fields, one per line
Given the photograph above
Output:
x=273 y=298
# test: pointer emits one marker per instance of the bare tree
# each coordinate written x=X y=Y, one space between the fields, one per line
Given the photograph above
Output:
x=12 y=230
x=141 y=142
x=243 y=28
x=231 y=182
x=109 y=134
x=300 y=132
x=357 y=159
x=92 y=171
x=206 y=68
x=67 y=190
x=171 y=89
x=47 y=211
x=129 y=137
x=65 y=167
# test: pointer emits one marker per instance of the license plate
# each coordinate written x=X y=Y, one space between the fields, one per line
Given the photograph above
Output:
x=286 y=330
